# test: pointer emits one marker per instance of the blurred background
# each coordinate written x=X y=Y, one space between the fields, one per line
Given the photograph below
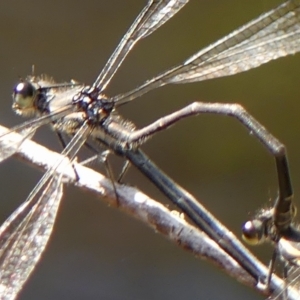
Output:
x=97 y=252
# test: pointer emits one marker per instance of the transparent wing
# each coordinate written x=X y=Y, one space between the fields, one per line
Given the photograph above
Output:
x=292 y=285
x=155 y=14
x=272 y=35
x=26 y=243
x=12 y=140
x=24 y=235
x=288 y=248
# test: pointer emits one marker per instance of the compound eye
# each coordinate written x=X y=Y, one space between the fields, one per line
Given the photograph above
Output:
x=23 y=95
x=253 y=232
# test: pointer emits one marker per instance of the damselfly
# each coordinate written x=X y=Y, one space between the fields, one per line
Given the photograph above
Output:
x=85 y=112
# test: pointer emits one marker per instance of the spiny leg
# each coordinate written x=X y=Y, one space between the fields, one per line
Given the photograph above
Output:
x=103 y=158
x=123 y=171
x=64 y=144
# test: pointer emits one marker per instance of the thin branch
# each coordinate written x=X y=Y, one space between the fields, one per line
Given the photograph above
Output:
x=132 y=201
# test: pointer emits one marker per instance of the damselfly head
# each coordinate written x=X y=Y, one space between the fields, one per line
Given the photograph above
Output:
x=260 y=228
x=253 y=232
x=24 y=95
